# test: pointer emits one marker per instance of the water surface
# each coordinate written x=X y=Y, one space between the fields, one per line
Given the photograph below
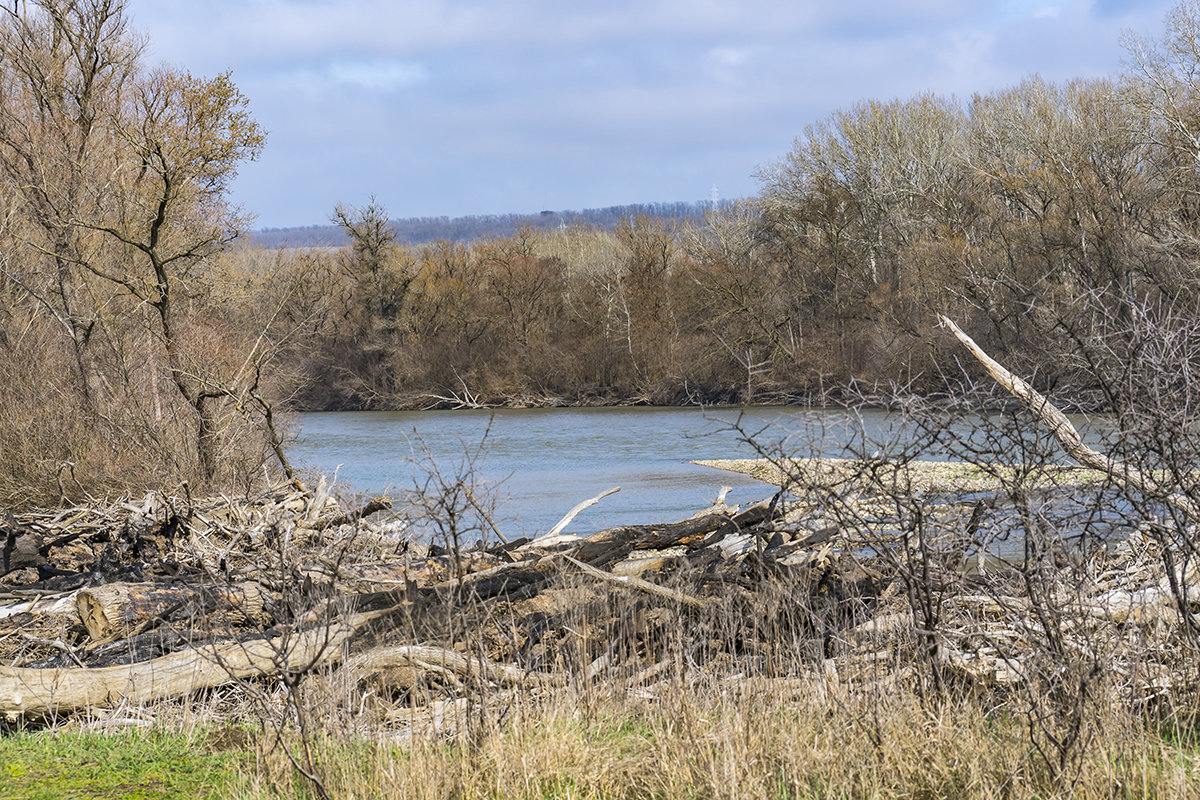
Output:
x=538 y=463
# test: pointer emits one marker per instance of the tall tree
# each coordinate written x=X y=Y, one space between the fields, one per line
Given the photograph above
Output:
x=122 y=174
x=63 y=68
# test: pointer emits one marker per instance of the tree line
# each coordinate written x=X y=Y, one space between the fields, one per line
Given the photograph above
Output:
x=422 y=230
x=141 y=338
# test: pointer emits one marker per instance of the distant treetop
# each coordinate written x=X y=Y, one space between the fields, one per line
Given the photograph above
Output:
x=418 y=230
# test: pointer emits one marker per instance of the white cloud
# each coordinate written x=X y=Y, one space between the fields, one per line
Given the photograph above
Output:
x=547 y=100
x=379 y=75
x=729 y=57
x=727 y=64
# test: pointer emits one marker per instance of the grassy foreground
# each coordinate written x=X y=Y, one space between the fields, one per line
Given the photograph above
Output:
x=786 y=740
x=130 y=765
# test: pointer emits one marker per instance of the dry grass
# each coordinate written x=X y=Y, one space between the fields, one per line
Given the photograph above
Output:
x=800 y=739
x=692 y=735
x=771 y=690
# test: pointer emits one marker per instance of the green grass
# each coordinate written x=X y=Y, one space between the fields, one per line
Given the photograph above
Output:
x=124 y=766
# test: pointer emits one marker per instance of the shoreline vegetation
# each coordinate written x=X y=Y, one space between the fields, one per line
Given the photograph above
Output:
x=847 y=636
x=141 y=349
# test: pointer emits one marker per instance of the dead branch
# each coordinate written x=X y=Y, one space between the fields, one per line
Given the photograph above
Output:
x=549 y=537
x=30 y=691
x=637 y=583
x=1066 y=434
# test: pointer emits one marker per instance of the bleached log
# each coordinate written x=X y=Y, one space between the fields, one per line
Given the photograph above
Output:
x=986 y=666
x=29 y=691
x=438 y=660
x=737 y=544
x=1066 y=434
x=1144 y=606
x=48 y=617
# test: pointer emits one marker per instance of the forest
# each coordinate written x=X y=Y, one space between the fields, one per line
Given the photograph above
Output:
x=145 y=337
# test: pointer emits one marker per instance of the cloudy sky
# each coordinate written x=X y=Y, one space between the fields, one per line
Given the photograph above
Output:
x=458 y=107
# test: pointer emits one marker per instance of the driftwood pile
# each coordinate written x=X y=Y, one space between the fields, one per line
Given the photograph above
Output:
x=138 y=602
x=155 y=599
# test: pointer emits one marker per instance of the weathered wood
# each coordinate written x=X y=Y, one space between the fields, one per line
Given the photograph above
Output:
x=116 y=610
x=373 y=506
x=420 y=573
x=28 y=691
x=551 y=535
x=43 y=616
x=640 y=585
x=437 y=659
x=1066 y=434
x=38 y=606
x=610 y=546
x=20 y=549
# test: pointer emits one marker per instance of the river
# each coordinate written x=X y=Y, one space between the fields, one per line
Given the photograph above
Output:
x=535 y=464
x=538 y=463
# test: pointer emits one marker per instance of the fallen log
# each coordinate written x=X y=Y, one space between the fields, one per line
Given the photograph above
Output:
x=29 y=691
x=610 y=546
x=117 y=610
x=47 y=618
x=437 y=660
x=55 y=607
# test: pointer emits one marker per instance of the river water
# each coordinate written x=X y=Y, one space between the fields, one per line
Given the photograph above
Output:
x=536 y=464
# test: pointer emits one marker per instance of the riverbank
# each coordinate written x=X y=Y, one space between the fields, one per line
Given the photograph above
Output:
x=754 y=652
x=684 y=397
x=857 y=395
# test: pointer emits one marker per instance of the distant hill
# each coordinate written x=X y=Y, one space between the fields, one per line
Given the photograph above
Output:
x=418 y=230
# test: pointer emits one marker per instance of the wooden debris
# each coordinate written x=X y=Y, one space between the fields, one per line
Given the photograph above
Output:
x=25 y=691
x=117 y=610
x=437 y=659
x=142 y=600
x=638 y=584
x=373 y=506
